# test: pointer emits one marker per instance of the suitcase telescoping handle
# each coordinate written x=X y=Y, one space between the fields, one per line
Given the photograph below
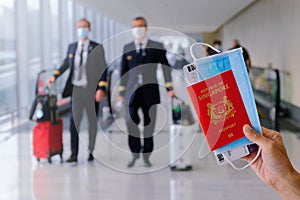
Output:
x=181 y=112
x=178 y=99
x=38 y=81
x=176 y=109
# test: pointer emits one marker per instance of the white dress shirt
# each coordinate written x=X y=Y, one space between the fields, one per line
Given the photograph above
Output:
x=137 y=44
x=83 y=81
x=140 y=45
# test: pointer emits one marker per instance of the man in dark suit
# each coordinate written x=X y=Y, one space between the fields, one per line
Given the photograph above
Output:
x=139 y=87
x=86 y=62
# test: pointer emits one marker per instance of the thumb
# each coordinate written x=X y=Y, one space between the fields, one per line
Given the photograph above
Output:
x=255 y=137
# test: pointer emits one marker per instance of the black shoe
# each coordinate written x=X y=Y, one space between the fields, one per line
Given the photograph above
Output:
x=147 y=163
x=72 y=159
x=91 y=157
x=131 y=163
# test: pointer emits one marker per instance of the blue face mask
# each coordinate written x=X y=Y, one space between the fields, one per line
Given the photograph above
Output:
x=83 y=32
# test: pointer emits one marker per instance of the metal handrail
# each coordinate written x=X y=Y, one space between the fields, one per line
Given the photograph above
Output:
x=12 y=115
x=12 y=119
x=277 y=99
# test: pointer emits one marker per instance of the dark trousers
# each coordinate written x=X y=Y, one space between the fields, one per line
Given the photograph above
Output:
x=78 y=104
x=132 y=121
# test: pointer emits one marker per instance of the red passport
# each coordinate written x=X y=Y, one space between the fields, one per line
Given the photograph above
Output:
x=220 y=109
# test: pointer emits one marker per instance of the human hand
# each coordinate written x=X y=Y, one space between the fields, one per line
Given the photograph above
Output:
x=171 y=93
x=120 y=99
x=119 y=103
x=273 y=166
x=51 y=80
x=100 y=94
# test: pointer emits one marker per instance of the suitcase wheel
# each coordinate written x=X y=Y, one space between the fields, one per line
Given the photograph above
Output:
x=176 y=169
x=61 y=158
x=38 y=159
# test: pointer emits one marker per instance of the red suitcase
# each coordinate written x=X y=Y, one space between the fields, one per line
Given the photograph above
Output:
x=47 y=139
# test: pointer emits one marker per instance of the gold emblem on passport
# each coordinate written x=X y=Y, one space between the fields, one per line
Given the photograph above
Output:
x=221 y=111
x=70 y=56
x=129 y=57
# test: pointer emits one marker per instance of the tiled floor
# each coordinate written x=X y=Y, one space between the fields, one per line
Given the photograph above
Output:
x=108 y=178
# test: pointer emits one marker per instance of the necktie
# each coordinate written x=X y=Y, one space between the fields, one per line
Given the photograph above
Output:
x=140 y=53
x=80 y=63
x=140 y=76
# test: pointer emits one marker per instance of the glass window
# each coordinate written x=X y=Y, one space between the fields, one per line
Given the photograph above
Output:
x=105 y=26
x=34 y=29
x=112 y=28
x=98 y=27
x=90 y=17
x=34 y=49
x=71 y=25
x=7 y=57
x=79 y=10
x=54 y=31
x=7 y=33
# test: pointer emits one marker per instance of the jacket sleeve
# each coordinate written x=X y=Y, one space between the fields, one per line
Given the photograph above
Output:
x=123 y=75
x=65 y=64
x=102 y=83
x=166 y=69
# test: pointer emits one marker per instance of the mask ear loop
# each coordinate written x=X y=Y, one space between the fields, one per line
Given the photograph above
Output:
x=202 y=44
x=249 y=164
x=200 y=156
x=225 y=156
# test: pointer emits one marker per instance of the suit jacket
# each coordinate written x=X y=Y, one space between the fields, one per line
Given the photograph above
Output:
x=132 y=66
x=95 y=68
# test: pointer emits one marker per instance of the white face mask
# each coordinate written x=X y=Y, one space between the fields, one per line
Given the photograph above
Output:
x=139 y=32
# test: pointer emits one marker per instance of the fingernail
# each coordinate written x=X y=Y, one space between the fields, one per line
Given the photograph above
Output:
x=248 y=129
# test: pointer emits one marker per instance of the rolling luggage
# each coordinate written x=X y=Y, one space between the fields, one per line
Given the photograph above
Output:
x=180 y=155
x=181 y=136
x=47 y=133
x=47 y=139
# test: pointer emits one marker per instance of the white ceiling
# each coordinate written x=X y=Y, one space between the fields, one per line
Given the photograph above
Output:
x=188 y=16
